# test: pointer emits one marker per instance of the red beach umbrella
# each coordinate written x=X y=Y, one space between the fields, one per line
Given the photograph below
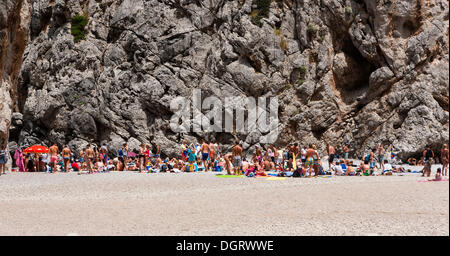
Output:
x=36 y=149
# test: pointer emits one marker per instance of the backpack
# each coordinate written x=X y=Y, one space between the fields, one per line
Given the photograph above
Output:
x=367 y=158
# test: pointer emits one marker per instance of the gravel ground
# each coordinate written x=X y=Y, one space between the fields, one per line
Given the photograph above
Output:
x=202 y=204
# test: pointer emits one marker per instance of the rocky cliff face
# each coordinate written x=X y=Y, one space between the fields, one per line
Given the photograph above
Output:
x=343 y=70
x=14 y=24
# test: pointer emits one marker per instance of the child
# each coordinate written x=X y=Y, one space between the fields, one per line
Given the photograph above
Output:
x=438 y=176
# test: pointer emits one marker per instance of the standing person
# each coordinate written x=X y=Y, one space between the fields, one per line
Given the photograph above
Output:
x=19 y=160
x=444 y=159
x=147 y=155
x=331 y=155
x=428 y=154
x=125 y=156
x=36 y=162
x=66 y=153
x=217 y=149
x=311 y=159
x=90 y=155
x=293 y=151
x=191 y=158
x=380 y=151
x=372 y=158
x=346 y=151
x=3 y=161
x=30 y=163
x=104 y=152
x=303 y=155
x=157 y=151
x=271 y=154
x=281 y=158
x=237 y=159
x=82 y=157
x=212 y=152
x=228 y=163
x=317 y=163
x=205 y=154
x=53 y=150
x=258 y=154
x=141 y=155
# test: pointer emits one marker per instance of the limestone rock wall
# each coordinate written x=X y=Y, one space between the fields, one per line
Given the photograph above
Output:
x=343 y=70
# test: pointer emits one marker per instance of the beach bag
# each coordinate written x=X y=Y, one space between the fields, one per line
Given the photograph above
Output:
x=296 y=173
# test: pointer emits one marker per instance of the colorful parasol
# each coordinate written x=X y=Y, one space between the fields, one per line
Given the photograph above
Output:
x=36 y=149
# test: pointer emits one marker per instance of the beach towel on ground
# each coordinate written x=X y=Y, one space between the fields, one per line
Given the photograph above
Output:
x=443 y=179
x=276 y=178
x=229 y=176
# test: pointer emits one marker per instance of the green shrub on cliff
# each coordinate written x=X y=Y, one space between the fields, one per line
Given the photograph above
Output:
x=77 y=29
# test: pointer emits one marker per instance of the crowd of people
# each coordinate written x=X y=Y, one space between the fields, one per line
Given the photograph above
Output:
x=292 y=160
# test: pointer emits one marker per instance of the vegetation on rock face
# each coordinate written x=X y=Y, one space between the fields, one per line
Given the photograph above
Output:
x=283 y=43
x=77 y=29
x=348 y=10
x=302 y=76
x=262 y=10
x=311 y=29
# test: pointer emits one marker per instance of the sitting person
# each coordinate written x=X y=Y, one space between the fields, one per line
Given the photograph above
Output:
x=387 y=167
x=364 y=167
x=350 y=169
x=438 y=176
x=178 y=165
x=110 y=166
x=267 y=165
x=412 y=161
x=75 y=167
x=250 y=171
x=420 y=162
x=42 y=165
x=99 y=166
x=337 y=168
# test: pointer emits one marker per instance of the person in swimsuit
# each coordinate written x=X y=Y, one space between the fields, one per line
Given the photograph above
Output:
x=346 y=151
x=3 y=161
x=89 y=158
x=104 y=152
x=372 y=158
x=380 y=151
x=228 y=163
x=212 y=154
x=444 y=159
x=205 y=155
x=53 y=150
x=141 y=155
x=82 y=158
x=438 y=176
x=157 y=151
x=125 y=156
x=331 y=155
x=428 y=154
x=303 y=155
x=191 y=158
x=237 y=159
x=147 y=155
x=66 y=153
x=311 y=158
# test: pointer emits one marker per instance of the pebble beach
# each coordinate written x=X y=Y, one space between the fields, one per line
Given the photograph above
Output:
x=129 y=203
